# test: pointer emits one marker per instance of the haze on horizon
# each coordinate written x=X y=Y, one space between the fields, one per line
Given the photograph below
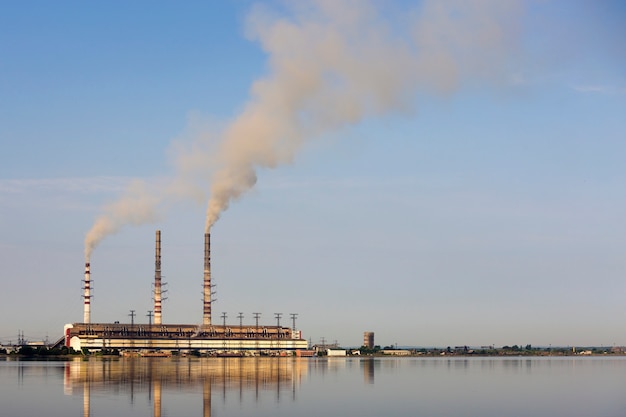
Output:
x=438 y=173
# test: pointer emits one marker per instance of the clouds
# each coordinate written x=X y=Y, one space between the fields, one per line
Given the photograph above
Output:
x=57 y=194
x=80 y=185
x=600 y=89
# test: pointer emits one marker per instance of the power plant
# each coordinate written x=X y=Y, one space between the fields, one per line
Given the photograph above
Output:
x=156 y=336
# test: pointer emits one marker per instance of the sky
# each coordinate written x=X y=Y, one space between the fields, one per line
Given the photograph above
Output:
x=440 y=173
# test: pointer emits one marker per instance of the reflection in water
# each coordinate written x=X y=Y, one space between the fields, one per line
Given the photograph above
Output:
x=152 y=376
x=368 y=370
x=206 y=396
x=157 y=398
x=86 y=398
x=283 y=387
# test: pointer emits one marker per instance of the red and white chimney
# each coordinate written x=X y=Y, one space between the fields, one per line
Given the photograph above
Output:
x=87 y=295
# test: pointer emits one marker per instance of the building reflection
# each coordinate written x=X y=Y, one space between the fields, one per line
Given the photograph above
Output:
x=154 y=377
x=368 y=370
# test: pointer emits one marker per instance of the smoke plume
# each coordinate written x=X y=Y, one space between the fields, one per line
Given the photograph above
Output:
x=330 y=65
x=137 y=206
x=334 y=63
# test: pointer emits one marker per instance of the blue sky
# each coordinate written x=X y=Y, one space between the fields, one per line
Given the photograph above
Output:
x=484 y=207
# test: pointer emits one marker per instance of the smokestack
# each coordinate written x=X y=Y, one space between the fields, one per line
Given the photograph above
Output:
x=157 y=279
x=206 y=319
x=87 y=295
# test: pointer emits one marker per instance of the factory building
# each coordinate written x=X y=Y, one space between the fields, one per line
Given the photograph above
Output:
x=159 y=336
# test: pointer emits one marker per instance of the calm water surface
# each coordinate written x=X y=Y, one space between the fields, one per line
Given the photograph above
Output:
x=481 y=387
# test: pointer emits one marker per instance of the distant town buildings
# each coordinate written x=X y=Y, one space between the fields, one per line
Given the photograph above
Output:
x=396 y=352
x=368 y=340
x=336 y=352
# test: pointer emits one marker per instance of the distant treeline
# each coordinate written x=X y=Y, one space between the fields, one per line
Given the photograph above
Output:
x=514 y=350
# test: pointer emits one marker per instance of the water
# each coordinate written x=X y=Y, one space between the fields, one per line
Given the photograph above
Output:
x=428 y=387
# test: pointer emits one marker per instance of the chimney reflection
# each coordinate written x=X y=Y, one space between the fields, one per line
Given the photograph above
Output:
x=238 y=379
x=86 y=398
x=206 y=398
x=156 y=387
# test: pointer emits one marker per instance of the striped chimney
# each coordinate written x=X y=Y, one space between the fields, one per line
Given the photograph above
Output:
x=206 y=317
x=157 y=279
x=87 y=295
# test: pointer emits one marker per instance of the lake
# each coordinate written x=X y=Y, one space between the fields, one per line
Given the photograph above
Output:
x=459 y=386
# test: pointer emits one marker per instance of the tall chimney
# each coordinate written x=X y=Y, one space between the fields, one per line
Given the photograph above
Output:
x=87 y=295
x=206 y=318
x=157 y=280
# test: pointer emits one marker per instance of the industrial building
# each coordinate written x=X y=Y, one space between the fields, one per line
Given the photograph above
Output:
x=207 y=337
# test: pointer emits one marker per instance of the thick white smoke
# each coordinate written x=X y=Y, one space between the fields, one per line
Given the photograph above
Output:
x=334 y=63
x=331 y=64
